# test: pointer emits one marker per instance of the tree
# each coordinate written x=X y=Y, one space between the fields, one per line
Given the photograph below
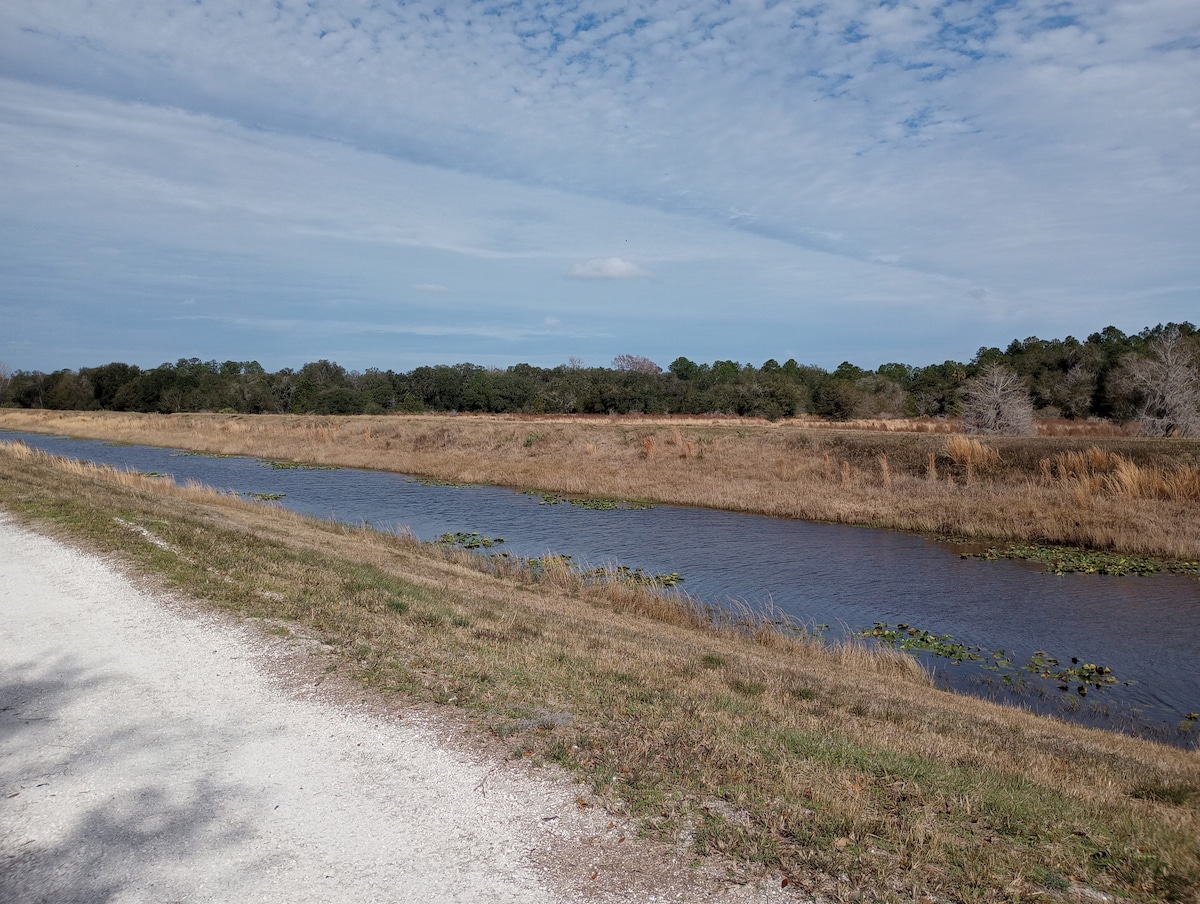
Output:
x=901 y=374
x=726 y=371
x=108 y=379
x=68 y=391
x=996 y=400
x=836 y=399
x=1167 y=379
x=635 y=363
x=1075 y=391
x=684 y=368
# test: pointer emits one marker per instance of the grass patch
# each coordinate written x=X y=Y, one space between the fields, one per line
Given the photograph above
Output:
x=1175 y=794
x=840 y=768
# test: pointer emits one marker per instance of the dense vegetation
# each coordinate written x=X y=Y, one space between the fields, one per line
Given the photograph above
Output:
x=1064 y=377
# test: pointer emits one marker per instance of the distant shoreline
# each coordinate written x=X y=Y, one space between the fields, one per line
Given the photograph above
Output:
x=1122 y=494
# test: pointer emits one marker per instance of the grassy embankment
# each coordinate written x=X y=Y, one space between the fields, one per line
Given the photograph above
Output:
x=1103 y=492
x=841 y=769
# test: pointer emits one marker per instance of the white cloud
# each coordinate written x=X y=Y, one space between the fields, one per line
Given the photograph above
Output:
x=1041 y=150
x=607 y=268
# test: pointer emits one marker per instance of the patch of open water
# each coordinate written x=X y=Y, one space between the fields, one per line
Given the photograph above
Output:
x=1145 y=629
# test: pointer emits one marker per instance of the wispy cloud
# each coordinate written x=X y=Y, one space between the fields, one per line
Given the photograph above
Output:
x=1041 y=150
x=431 y=287
x=607 y=268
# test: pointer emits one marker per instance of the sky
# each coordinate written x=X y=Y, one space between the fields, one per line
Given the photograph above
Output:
x=392 y=184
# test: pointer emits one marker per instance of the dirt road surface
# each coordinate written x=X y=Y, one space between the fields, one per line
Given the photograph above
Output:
x=151 y=751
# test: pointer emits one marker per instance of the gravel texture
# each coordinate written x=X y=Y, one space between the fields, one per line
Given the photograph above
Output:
x=153 y=751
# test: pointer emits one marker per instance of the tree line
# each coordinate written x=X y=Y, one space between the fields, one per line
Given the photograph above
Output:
x=1108 y=375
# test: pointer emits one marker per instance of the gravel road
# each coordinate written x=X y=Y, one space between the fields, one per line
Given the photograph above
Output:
x=151 y=752
x=145 y=755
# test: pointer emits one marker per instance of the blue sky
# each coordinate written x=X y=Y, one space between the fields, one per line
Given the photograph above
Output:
x=394 y=184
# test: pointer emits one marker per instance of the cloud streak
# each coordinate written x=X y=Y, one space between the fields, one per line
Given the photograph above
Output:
x=607 y=268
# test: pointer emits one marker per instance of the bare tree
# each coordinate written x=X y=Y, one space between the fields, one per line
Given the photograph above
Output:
x=1167 y=379
x=1075 y=393
x=635 y=363
x=4 y=378
x=996 y=400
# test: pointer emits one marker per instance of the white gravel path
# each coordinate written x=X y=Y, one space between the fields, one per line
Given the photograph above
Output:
x=145 y=755
x=155 y=751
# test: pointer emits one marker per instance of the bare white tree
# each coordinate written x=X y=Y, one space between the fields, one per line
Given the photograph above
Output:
x=636 y=363
x=1168 y=380
x=996 y=400
x=1075 y=394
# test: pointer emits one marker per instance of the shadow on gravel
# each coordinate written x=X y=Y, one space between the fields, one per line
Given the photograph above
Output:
x=86 y=817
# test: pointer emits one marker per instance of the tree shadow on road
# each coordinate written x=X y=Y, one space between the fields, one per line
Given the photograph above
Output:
x=89 y=816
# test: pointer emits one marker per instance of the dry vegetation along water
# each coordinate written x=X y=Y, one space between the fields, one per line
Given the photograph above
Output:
x=842 y=770
x=1102 y=492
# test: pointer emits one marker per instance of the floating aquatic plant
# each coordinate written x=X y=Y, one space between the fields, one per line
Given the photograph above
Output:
x=297 y=466
x=621 y=574
x=906 y=637
x=636 y=576
x=594 y=503
x=1082 y=675
x=435 y=482
x=1074 y=560
x=471 y=540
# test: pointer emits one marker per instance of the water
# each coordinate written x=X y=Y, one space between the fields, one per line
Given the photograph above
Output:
x=1146 y=629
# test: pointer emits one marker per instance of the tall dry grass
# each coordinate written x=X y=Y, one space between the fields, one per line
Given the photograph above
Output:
x=971 y=453
x=1127 y=494
x=1100 y=472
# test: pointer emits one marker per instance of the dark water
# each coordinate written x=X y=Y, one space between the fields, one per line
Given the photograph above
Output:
x=1146 y=629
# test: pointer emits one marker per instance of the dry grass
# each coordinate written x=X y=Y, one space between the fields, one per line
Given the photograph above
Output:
x=970 y=453
x=1100 y=472
x=841 y=769
x=1032 y=490
x=1044 y=426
